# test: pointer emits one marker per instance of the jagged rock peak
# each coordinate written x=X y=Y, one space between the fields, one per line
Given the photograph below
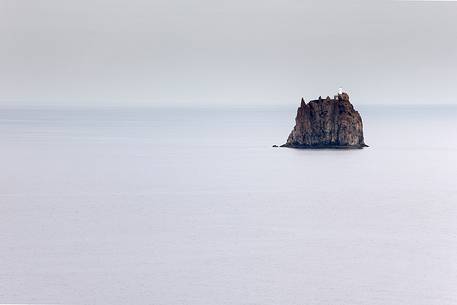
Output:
x=329 y=123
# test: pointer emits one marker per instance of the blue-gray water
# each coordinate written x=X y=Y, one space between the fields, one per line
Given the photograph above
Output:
x=194 y=206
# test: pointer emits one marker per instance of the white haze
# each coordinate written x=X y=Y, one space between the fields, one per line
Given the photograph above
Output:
x=206 y=52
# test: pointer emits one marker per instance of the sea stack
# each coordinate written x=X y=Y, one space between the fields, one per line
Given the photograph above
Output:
x=327 y=123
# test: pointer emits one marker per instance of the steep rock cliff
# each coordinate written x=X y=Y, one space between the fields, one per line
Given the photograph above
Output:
x=327 y=123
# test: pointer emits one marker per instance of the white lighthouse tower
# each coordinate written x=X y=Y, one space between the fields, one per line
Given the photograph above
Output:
x=340 y=91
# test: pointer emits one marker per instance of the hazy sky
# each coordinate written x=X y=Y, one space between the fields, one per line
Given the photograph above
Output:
x=211 y=52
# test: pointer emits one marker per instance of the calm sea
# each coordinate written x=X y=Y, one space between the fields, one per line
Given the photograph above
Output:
x=194 y=207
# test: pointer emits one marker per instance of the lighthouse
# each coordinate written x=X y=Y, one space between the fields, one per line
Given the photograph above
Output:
x=340 y=91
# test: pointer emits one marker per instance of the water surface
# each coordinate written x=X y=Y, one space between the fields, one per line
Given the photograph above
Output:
x=194 y=206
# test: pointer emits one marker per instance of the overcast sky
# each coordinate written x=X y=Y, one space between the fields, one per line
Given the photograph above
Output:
x=211 y=52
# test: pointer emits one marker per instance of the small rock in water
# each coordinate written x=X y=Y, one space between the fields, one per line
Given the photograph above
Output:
x=329 y=123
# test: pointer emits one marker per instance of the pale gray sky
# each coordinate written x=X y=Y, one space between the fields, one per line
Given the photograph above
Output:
x=211 y=52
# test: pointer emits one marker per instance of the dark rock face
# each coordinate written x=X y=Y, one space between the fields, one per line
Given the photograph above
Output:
x=327 y=123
